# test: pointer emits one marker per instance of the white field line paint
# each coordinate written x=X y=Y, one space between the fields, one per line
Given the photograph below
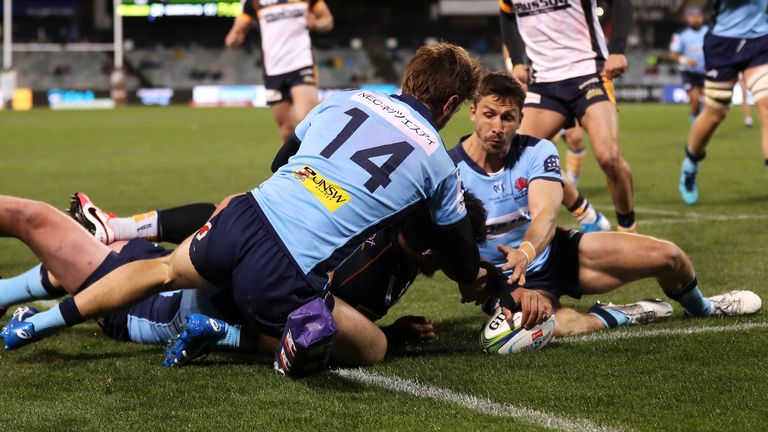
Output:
x=642 y=333
x=686 y=217
x=480 y=405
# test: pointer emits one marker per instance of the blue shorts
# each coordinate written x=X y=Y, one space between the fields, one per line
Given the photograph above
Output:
x=559 y=275
x=692 y=80
x=725 y=57
x=570 y=97
x=239 y=250
x=279 y=86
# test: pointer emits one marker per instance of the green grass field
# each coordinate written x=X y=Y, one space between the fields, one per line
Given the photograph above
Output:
x=683 y=374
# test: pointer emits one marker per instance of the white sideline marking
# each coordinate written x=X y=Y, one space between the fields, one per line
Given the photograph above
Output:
x=480 y=405
x=678 y=217
x=641 y=333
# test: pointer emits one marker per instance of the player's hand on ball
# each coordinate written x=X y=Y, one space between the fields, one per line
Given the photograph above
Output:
x=615 y=65
x=535 y=307
x=517 y=261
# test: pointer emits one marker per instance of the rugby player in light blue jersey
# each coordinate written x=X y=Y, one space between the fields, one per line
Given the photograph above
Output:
x=687 y=49
x=736 y=42
x=518 y=179
x=364 y=161
x=371 y=281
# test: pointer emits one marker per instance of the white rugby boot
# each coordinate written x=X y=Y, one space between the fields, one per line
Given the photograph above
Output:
x=735 y=303
x=641 y=312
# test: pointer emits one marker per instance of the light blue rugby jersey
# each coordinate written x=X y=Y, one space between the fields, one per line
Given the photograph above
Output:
x=741 y=19
x=365 y=159
x=690 y=43
x=505 y=193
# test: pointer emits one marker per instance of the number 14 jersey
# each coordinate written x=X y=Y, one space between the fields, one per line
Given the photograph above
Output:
x=365 y=160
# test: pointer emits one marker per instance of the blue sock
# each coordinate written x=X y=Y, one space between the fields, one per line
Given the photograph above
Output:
x=48 y=322
x=692 y=300
x=231 y=340
x=609 y=317
x=24 y=287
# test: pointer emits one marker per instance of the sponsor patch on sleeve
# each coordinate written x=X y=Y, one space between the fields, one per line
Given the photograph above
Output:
x=552 y=164
x=330 y=195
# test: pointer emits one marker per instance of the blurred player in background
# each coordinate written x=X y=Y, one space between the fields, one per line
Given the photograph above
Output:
x=290 y=76
x=736 y=42
x=581 y=209
x=518 y=179
x=570 y=79
x=745 y=108
x=687 y=49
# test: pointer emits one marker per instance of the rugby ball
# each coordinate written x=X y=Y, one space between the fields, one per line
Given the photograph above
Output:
x=499 y=336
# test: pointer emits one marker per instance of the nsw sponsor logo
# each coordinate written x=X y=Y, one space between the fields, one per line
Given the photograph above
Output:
x=330 y=195
x=521 y=188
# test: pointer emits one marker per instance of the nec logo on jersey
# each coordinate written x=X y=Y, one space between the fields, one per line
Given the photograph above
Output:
x=330 y=195
x=552 y=164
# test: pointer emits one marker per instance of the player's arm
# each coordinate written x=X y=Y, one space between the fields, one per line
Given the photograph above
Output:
x=458 y=251
x=319 y=18
x=289 y=148
x=513 y=41
x=676 y=50
x=239 y=30
x=544 y=198
x=621 y=23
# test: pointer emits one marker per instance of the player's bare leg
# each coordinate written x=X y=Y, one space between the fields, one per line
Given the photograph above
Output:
x=542 y=123
x=757 y=80
x=694 y=95
x=745 y=109
x=282 y=112
x=304 y=98
x=570 y=322
x=49 y=232
x=359 y=341
x=602 y=125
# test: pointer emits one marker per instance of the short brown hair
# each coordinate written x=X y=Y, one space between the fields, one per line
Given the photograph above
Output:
x=437 y=72
x=502 y=86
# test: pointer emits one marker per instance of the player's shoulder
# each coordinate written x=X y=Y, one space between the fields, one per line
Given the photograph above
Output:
x=529 y=147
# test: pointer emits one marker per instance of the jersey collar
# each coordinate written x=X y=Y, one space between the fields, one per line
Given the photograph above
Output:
x=416 y=105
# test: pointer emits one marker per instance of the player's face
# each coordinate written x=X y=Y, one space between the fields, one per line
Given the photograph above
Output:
x=695 y=20
x=496 y=122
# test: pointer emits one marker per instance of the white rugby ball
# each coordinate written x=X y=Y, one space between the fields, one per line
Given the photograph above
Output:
x=499 y=337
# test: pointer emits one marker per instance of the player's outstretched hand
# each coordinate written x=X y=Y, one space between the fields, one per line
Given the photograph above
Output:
x=615 y=65
x=517 y=261
x=535 y=307
x=411 y=329
x=485 y=285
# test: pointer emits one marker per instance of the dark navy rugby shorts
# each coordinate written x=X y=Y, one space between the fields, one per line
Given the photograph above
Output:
x=238 y=249
x=725 y=57
x=570 y=97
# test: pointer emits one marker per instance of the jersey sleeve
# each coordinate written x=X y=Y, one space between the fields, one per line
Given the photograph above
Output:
x=676 y=45
x=544 y=162
x=446 y=205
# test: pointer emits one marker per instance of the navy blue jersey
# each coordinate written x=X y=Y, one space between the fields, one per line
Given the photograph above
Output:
x=375 y=277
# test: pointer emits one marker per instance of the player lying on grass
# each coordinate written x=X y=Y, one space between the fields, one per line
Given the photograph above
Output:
x=365 y=160
x=518 y=179
x=371 y=281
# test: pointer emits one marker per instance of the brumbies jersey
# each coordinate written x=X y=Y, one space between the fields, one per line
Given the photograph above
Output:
x=285 y=41
x=376 y=276
x=563 y=38
x=741 y=19
x=365 y=158
x=690 y=44
x=505 y=193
